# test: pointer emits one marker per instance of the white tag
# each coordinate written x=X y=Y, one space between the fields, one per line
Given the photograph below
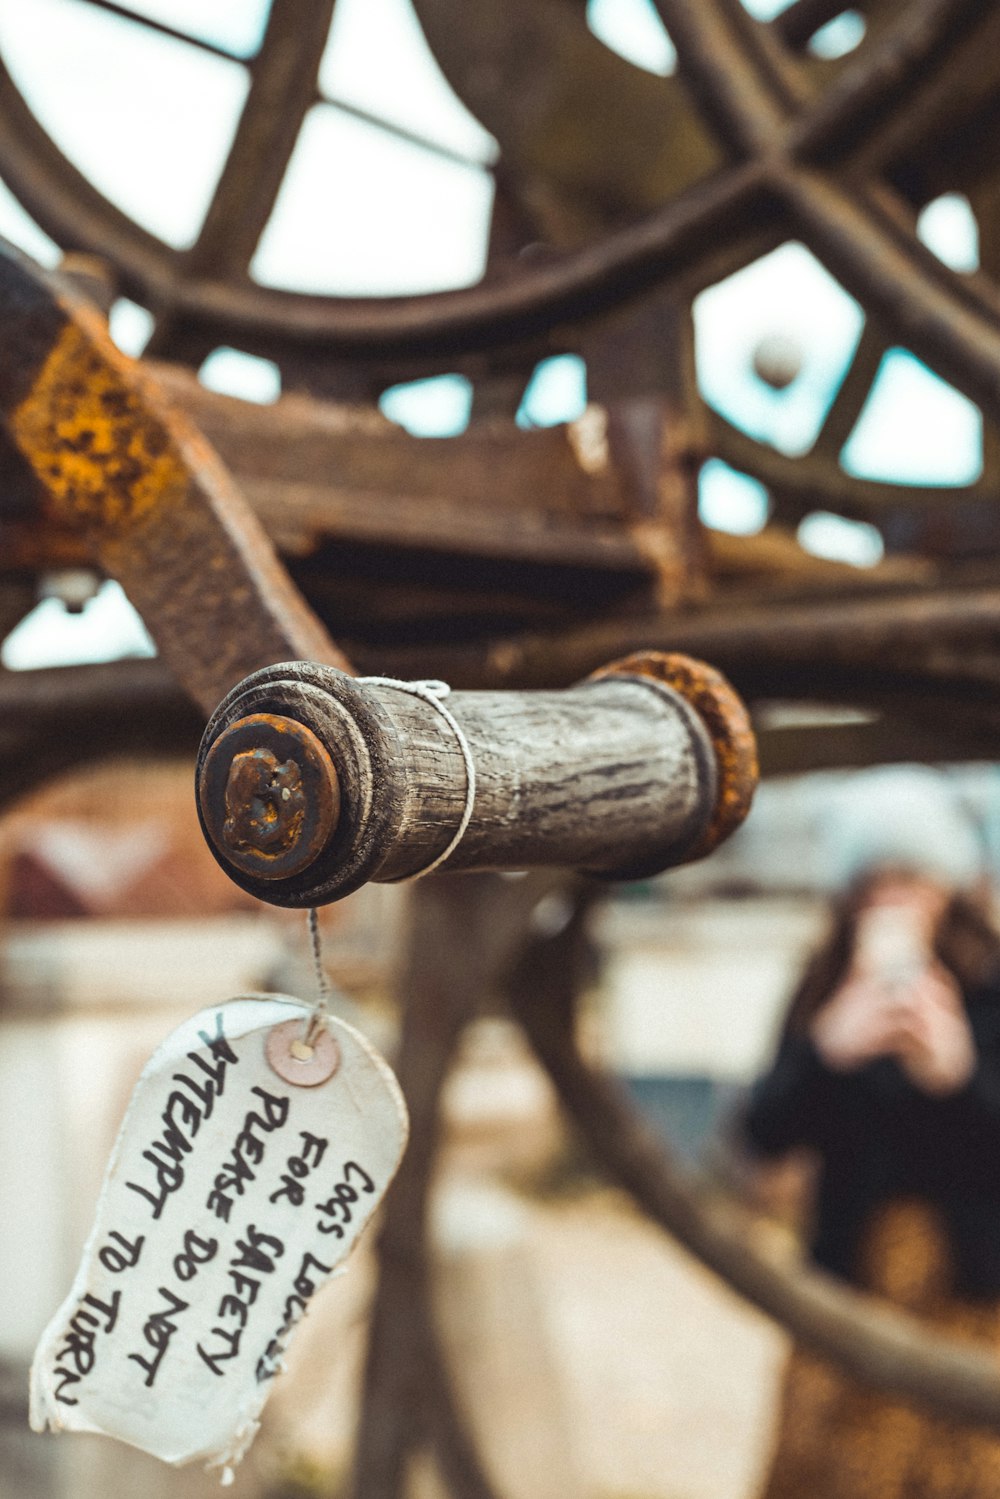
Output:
x=230 y=1196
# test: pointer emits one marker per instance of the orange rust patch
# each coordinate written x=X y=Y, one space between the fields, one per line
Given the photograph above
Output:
x=725 y=717
x=104 y=462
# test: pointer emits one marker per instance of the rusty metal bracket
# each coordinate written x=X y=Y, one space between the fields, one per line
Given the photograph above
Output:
x=117 y=463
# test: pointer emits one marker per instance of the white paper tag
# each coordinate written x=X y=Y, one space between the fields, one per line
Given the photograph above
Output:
x=230 y=1196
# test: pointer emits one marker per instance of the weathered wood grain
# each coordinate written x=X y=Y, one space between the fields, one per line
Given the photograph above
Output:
x=616 y=776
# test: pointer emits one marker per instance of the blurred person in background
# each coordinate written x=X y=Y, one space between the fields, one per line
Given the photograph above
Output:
x=888 y=1073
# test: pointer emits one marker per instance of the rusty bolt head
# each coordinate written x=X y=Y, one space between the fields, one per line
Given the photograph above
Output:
x=269 y=796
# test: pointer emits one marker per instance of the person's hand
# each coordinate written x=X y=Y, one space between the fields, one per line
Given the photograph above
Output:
x=922 y=1024
x=934 y=1044
x=859 y=1022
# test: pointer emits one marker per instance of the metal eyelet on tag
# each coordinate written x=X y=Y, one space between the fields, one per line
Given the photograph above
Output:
x=303 y=1064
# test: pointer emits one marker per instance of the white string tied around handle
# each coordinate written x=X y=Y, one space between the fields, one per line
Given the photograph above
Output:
x=321 y=1005
x=434 y=692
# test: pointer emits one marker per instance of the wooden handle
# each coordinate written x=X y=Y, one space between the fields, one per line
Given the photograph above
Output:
x=311 y=783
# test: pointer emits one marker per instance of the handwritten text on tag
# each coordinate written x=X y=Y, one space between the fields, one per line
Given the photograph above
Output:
x=230 y=1196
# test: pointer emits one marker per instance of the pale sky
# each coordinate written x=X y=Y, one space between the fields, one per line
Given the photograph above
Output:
x=149 y=120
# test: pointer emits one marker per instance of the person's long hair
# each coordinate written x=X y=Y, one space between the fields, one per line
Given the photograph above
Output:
x=965 y=942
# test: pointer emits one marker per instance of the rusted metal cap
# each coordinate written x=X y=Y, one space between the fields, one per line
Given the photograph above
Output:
x=725 y=717
x=269 y=796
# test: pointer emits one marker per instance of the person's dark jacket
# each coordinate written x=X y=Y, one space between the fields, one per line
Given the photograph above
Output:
x=879 y=1137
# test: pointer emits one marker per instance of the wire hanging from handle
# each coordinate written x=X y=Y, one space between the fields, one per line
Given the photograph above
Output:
x=321 y=1005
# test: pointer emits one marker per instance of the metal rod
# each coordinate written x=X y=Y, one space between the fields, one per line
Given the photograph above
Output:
x=126 y=13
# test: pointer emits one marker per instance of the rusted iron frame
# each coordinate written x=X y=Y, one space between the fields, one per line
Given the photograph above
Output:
x=890 y=735
x=800 y=21
x=849 y=401
x=925 y=147
x=902 y=633
x=802 y=484
x=437 y=324
x=734 y=91
x=574 y=287
x=163 y=28
x=879 y=96
x=283 y=81
x=903 y=54
x=902 y=49
x=425 y=331
x=750 y=90
x=499 y=389
x=723 y=43
x=57 y=720
x=641 y=370
x=947 y=320
x=986 y=208
x=864 y=235
x=459 y=942
x=444 y=323
x=315 y=472
x=335 y=444
x=118 y=464
x=440 y=324
x=730 y=61
x=875 y=1344
x=903 y=61
x=799 y=485
x=406 y=1397
x=317 y=96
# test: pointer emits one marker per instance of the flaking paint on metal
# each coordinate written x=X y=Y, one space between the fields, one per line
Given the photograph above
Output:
x=103 y=460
